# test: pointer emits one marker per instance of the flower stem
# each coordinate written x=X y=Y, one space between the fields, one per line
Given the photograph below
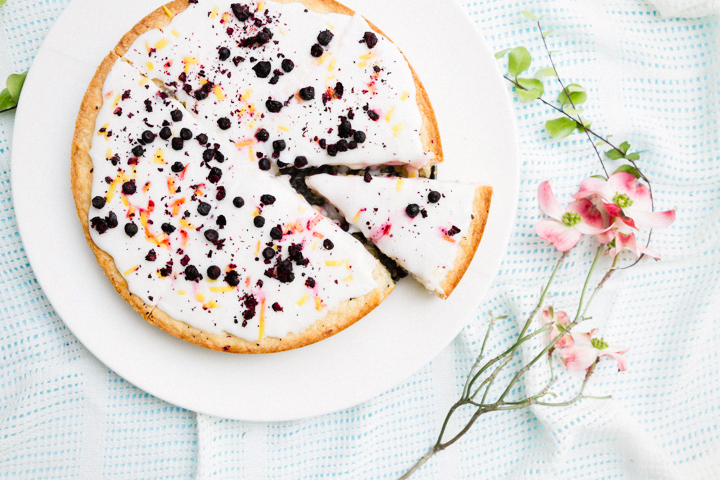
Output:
x=587 y=280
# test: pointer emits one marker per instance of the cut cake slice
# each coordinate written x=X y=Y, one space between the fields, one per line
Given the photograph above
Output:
x=431 y=228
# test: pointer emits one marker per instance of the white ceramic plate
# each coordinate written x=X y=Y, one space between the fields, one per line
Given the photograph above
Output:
x=393 y=342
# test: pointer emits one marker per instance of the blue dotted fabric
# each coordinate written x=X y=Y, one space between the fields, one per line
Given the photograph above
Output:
x=651 y=81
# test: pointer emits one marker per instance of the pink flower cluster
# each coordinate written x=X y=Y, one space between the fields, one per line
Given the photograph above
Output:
x=612 y=210
x=580 y=351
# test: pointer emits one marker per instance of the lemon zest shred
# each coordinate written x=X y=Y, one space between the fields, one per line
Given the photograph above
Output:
x=168 y=12
x=131 y=270
x=227 y=288
x=302 y=300
x=398 y=186
x=389 y=114
x=161 y=44
x=150 y=66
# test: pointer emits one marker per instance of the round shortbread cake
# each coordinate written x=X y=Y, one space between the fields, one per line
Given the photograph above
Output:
x=160 y=185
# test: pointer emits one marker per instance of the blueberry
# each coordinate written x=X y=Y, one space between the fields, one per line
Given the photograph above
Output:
x=98 y=202
x=238 y=202
x=344 y=129
x=352 y=145
x=262 y=135
x=177 y=167
x=242 y=12
x=370 y=39
x=176 y=115
x=276 y=232
x=307 y=93
x=211 y=235
x=373 y=115
x=128 y=188
x=186 y=134
x=268 y=253
x=267 y=199
x=412 y=210
x=200 y=94
x=203 y=208
x=367 y=177
x=223 y=123
x=192 y=274
x=288 y=65
x=208 y=154
x=300 y=162
x=138 y=151
x=147 y=136
x=202 y=139
x=359 y=136
x=213 y=272
x=274 y=79
x=328 y=244
x=215 y=175
x=262 y=69
x=332 y=150
x=177 y=143
x=259 y=221
x=131 y=229
x=165 y=133
x=434 y=197
x=325 y=37
x=224 y=53
x=278 y=145
x=273 y=106
x=316 y=51
x=264 y=164
x=167 y=228
x=221 y=221
x=232 y=278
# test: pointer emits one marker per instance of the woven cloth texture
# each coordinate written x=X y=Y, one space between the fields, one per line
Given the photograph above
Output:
x=652 y=81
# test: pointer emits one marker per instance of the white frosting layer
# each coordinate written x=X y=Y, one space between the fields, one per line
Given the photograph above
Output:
x=166 y=197
x=185 y=55
x=427 y=245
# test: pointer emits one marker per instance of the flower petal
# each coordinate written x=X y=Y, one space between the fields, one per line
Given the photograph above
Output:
x=643 y=250
x=626 y=183
x=592 y=186
x=649 y=219
x=548 y=203
x=617 y=355
x=592 y=220
x=565 y=342
x=579 y=357
x=557 y=233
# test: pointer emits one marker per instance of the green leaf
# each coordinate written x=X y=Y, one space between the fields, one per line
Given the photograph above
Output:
x=601 y=177
x=633 y=156
x=624 y=147
x=533 y=89
x=502 y=53
x=560 y=127
x=573 y=111
x=546 y=72
x=529 y=15
x=628 y=169
x=2 y=2
x=577 y=95
x=15 y=83
x=614 y=154
x=6 y=100
x=547 y=33
x=518 y=61
x=585 y=124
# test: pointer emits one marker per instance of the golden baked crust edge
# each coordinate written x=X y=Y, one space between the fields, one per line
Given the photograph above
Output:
x=337 y=319
x=469 y=244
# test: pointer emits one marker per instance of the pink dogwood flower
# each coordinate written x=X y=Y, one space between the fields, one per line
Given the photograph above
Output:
x=625 y=197
x=552 y=317
x=586 y=350
x=566 y=226
x=622 y=237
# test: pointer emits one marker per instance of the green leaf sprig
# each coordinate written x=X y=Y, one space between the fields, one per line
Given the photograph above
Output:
x=11 y=95
x=568 y=103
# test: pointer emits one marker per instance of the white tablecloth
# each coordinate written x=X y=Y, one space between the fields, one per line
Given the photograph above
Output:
x=652 y=81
